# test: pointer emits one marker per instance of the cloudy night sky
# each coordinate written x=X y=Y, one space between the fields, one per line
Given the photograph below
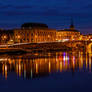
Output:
x=55 y=13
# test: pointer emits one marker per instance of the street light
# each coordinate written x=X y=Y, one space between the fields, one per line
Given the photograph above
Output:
x=18 y=37
x=4 y=37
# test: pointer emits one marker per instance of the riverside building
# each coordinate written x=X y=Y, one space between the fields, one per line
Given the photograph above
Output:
x=6 y=37
x=40 y=33
x=68 y=34
x=34 y=33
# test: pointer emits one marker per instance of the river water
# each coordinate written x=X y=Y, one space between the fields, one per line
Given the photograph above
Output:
x=46 y=72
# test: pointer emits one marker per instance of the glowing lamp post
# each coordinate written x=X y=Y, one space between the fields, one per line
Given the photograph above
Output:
x=19 y=37
x=4 y=38
x=48 y=37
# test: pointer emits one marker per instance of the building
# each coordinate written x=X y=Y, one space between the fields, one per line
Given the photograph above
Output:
x=89 y=36
x=6 y=37
x=68 y=34
x=34 y=33
x=39 y=33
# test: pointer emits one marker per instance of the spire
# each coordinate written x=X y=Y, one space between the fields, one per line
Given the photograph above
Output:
x=72 y=24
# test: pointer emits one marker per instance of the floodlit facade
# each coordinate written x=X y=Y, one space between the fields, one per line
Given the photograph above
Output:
x=68 y=34
x=40 y=33
x=6 y=37
x=86 y=37
x=34 y=34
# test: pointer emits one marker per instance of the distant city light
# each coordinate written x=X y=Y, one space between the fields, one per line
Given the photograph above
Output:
x=64 y=40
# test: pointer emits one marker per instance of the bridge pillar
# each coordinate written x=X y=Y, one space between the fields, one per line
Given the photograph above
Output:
x=89 y=48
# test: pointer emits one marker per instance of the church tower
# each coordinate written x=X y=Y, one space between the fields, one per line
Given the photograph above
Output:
x=72 y=25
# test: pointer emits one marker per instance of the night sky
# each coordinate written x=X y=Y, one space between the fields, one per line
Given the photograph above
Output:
x=56 y=13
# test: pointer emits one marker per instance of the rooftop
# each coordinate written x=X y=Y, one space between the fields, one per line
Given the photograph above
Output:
x=33 y=25
x=69 y=30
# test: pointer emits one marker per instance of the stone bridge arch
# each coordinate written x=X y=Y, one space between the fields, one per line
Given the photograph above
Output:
x=75 y=43
x=89 y=48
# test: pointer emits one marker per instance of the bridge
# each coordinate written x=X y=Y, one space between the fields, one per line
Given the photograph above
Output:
x=29 y=47
x=80 y=44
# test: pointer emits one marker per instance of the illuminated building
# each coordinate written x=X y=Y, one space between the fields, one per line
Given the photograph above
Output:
x=40 y=33
x=84 y=37
x=6 y=37
x=68 y=34
x=34 y=33
x=89 y=36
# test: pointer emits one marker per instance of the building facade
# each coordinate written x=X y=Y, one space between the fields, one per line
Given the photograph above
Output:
x=68 y=34
x=86 y=37
x=6 y=37
x=34 y=33
x=40 y=33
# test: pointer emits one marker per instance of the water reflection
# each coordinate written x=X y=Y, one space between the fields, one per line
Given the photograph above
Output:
x=44 y=64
